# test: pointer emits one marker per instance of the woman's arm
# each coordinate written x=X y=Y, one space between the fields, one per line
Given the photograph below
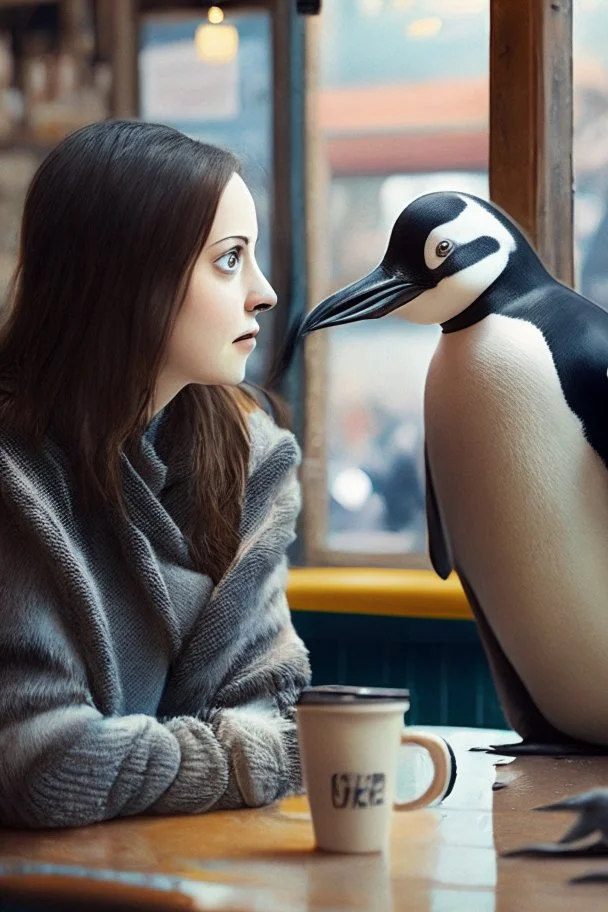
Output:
x=64 y=763
x=244 y=665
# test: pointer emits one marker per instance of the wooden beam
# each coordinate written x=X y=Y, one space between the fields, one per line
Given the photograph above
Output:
x=74 y=38
x=289 y=235
x=124 y=19
x=531 y=173
x=73 y=23
x=103 y=29
x=289 y=161
x=282 y=152
x=6 y=4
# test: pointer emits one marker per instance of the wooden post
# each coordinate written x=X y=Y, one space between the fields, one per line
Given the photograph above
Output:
x=282 y=153
x=123 y=21
x=103 y=29
x=76 y=40
x=315 y=507
x=289 y=161
x=74 y=25
x=289 y=234
x=531 y=174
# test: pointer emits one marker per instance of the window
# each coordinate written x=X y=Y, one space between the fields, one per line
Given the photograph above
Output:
x=590 y=63
x=401 y=109
x=213 y=81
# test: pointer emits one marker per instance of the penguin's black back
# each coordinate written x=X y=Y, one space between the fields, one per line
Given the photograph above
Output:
x=576 y=332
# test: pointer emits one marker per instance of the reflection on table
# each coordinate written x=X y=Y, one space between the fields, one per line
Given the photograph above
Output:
x=441 y=859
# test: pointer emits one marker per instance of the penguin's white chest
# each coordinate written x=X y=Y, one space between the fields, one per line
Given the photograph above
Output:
x=524 y=499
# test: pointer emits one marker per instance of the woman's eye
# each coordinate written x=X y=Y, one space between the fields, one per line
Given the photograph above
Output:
x=443 y=248
x=230 y=261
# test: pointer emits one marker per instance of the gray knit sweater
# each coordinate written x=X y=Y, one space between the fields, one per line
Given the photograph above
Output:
x=130 y=684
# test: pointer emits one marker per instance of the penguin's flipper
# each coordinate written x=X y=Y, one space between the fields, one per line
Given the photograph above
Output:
x=439 y=550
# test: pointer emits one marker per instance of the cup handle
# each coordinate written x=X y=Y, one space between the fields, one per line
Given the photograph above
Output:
x=443 y=769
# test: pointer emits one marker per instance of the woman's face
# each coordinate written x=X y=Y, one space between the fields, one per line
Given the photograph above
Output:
x=226 y=293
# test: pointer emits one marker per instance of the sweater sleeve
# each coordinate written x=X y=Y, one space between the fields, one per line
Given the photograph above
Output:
x=63 y=763
x=245 y=665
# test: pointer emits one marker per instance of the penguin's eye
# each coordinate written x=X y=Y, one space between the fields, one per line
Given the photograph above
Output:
x=443 y=248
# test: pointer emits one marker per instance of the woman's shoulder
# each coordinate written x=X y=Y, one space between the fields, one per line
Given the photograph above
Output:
x=32 y=473
x=273 y=487
x=270 y=444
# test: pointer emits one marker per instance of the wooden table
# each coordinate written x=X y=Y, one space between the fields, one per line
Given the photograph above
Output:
x=443 y=859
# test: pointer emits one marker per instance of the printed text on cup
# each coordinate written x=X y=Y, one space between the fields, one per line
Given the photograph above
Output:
x=357 y=790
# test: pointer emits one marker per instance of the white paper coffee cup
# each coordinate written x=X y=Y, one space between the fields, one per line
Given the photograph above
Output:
x=349 y=744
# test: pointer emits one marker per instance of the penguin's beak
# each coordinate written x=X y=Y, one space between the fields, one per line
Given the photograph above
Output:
x=373 y=296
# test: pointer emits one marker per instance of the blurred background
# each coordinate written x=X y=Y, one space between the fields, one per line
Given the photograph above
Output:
x=355 y=111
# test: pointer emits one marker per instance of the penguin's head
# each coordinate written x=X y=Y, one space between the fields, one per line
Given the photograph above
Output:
x=445 y=250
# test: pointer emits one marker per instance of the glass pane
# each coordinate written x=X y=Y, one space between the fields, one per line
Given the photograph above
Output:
x=410 y=117
x=214 y=82
x=590 y=61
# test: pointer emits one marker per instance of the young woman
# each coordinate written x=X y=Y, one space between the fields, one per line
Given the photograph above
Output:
x=148 y=663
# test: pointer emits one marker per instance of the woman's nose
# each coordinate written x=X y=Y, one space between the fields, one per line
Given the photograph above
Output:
x=262 y=299
x=264 y=305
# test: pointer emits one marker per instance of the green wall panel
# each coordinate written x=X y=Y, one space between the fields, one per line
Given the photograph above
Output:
x=441 y=662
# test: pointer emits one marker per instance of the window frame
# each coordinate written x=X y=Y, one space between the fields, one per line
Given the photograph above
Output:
x=530 y=176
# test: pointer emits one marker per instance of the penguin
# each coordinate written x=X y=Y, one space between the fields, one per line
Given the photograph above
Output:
x=516 y=450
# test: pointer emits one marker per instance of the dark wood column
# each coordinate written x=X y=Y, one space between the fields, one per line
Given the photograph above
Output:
x=531 y=123
x=117 y=22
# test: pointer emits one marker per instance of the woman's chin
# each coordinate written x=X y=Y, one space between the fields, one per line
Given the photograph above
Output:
x=229 y=378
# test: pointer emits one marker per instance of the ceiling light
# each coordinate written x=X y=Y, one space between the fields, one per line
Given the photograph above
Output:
x=215 y=15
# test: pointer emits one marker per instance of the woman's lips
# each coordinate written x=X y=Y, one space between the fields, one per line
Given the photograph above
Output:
x=248 y=334
x=248 y=342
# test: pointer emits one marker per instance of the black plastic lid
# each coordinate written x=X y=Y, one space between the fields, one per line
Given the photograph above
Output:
x=342 y=693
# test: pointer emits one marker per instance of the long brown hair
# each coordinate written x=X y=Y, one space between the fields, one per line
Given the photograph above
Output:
x=114 y=220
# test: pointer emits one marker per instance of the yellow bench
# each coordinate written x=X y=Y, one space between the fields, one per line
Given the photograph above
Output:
x=377 y=591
